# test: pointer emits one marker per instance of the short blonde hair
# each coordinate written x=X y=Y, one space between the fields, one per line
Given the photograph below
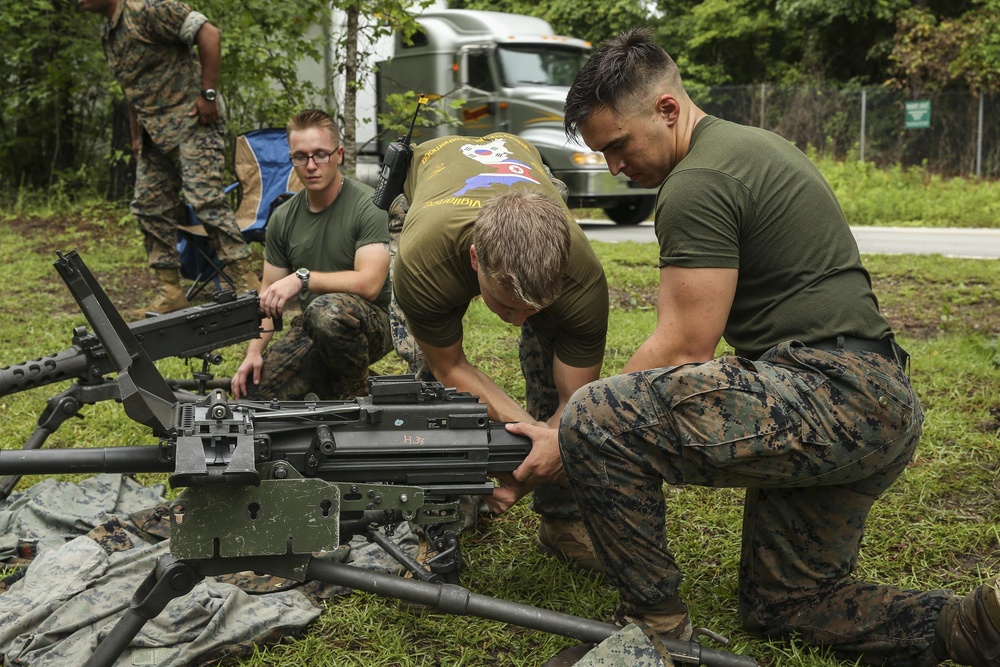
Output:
x=522 y=241
x=307 y=118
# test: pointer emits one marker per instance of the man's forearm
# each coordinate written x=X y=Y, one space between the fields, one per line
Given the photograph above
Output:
x=500 y=406
x=258 y=345
x=346 y=282
x=209 y=41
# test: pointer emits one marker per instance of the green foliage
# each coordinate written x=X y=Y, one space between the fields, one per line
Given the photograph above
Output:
x=263 y=43
x=403 y=106
x=601 y=20
x=788 y=42
x=910 y=197
x=931 y=52
x=52 y=84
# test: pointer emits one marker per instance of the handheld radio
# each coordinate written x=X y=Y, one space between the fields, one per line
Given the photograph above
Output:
x=395 y=164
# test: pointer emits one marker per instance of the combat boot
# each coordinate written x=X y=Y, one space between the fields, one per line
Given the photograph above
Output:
x=669 y=620
x=169 y=295
x=243 y=276
x=568 y=540
x=968 y=632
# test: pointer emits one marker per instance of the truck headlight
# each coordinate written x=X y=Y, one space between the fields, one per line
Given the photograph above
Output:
x=588 y=159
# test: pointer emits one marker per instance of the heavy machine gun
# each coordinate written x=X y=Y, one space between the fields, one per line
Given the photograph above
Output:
x=268 y=484
x=191 y=333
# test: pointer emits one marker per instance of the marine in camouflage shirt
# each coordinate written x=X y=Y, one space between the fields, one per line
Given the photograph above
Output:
x=148 y=45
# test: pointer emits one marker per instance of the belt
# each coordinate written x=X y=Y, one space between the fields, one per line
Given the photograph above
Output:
x=885 y=346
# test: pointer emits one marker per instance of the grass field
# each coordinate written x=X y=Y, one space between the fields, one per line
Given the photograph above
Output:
x=938 y=527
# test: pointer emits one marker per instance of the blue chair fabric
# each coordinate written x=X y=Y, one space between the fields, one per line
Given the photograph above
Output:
x=265 y=178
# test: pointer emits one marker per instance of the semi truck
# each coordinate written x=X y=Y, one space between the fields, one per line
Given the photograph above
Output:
x=513 y=73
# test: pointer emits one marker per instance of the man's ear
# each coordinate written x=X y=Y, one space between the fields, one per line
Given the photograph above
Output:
x=669 y=107
x=472 y=256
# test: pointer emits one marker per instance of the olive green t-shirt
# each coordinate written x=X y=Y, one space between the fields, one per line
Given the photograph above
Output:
x=327 y=241
x=433 y=278
x=748 y=199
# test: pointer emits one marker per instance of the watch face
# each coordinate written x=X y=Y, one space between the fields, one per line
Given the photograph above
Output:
x=209 y=94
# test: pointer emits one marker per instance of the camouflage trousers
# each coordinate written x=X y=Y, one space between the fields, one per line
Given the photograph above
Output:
x=405 y=345
x=194 y=169
x=536 y=354
x=815 y=437
x=326 y=351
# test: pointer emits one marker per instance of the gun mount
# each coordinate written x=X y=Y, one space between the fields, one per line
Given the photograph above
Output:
x=267 y=484
x=190 y=333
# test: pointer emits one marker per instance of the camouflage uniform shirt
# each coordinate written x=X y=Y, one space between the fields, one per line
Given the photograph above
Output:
x=148 y=47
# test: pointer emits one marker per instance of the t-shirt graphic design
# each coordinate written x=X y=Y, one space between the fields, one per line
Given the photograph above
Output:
x=504 y=171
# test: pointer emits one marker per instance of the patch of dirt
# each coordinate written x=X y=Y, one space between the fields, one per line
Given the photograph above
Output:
x=129 y=286
x=991 y=426
x=922 y=309
x=641 y=299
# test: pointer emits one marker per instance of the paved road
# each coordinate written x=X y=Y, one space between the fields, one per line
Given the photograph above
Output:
x=975 y=243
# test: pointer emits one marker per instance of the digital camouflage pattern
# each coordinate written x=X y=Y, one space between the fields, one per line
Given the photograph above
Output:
x=326 y=351
x=157 y=207
x=102 y=544
x=815 y=437
x=148 y=47
x=629 y=647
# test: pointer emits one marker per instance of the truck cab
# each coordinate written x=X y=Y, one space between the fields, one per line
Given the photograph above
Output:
x=513 y=73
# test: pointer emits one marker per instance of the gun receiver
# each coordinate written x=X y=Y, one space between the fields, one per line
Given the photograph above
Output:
x=187 y=333
x=439 y=439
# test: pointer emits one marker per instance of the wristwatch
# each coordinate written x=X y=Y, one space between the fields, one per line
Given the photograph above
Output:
x=303 y=275
x=209 y=94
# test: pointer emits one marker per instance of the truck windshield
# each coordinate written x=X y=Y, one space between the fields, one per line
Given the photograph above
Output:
x=539 y=65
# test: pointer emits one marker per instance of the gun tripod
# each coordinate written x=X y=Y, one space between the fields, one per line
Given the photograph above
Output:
x=172 y=578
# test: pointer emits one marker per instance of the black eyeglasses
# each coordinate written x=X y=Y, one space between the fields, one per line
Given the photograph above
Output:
x=319 y=157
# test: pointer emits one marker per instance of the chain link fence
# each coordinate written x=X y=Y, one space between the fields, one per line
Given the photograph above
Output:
x=870 y=124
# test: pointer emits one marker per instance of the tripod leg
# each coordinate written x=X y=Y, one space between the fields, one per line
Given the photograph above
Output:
x=58 y=409
x=453 y=599
x=171 y=578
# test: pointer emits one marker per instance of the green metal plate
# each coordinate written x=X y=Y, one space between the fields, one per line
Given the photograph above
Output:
x=294 y=515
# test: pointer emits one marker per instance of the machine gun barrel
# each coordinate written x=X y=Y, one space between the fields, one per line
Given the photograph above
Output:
x=123 y=460
x=186 y=333
x=69 y=364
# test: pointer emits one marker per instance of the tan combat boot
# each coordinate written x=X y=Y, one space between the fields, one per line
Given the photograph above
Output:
x=568 y=540
x=169 y=295
x=968 y=633
x=670 y=619
x=243 y=275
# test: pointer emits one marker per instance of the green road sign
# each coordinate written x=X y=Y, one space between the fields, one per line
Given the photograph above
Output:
x=918 y=114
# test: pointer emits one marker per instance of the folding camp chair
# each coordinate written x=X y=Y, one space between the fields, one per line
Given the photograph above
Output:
x=264 y=179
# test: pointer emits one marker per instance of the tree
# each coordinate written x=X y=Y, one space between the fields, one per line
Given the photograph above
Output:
x=364 y=24
x=53 y=86
x=784 y=41
x=932 y=53
x=600 y=22
x=57 y=95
